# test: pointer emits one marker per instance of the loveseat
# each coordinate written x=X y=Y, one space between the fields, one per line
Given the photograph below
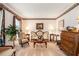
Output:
x=40 y=35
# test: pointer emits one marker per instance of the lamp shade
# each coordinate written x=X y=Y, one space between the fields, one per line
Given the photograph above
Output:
x=78 y=18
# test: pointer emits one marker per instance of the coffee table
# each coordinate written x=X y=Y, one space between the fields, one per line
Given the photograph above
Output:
x=40 y=42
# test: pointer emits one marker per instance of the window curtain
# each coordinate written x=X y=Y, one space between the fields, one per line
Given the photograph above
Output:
x=1 y=15
x=1 y=38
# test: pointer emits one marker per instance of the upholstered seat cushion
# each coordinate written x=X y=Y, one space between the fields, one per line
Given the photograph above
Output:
x=35 y=37
x=24 y=40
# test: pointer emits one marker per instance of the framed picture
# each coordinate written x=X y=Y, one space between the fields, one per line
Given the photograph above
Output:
x=39 y=25
x=61 y=24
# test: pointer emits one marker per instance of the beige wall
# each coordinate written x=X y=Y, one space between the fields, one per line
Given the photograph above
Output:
x=30 y=25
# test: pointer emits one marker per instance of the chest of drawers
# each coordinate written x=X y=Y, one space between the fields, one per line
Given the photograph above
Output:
x=70 y=42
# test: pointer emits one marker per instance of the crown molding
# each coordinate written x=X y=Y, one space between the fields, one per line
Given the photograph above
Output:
x=68 y=10
x=6 y=8
x=39 y=18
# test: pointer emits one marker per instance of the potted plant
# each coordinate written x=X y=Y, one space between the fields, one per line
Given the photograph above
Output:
x=11 y=31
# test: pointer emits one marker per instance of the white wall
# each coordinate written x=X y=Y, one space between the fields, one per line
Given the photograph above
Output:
x=30 y=25
x=8 y=18
x=70 y=19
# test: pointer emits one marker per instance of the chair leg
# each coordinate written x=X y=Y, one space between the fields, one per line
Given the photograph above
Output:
x=15 y=53
x=21 y=45
x=28 y=43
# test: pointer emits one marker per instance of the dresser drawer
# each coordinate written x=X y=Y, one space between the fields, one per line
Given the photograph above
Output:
x=67 y=50
x=70 y=42
x=70 y=39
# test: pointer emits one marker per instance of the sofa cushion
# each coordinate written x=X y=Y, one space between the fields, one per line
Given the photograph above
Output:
x=24 y=40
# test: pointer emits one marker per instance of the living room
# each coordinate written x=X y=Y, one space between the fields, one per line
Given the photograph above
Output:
x=47 y=23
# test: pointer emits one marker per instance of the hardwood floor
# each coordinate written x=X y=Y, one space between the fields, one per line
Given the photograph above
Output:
x=40 y=50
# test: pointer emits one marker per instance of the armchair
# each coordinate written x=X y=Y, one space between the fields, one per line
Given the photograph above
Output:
x=23 y=39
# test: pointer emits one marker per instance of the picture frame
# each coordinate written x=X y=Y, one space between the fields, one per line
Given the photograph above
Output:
x=39 y=25
x=61 y=24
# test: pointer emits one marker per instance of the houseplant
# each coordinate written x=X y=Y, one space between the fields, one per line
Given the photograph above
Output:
x=11 y=31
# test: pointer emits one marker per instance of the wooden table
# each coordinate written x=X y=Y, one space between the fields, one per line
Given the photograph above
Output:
x=40 y=42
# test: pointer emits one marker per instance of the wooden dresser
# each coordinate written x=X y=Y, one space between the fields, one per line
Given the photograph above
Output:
x=70 y=42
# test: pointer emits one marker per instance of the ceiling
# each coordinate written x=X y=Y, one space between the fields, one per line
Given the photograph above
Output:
x=38 y=10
